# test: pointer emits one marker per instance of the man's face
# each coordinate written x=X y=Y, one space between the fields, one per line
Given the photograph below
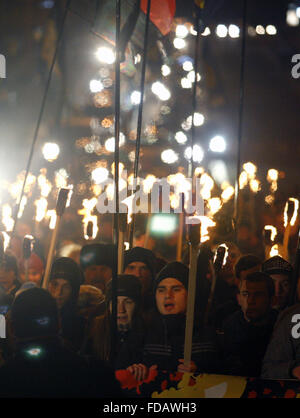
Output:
x=171 y=297
x=282 y=288
x=140 y=270
x=125 y=311
x=254 y=300
x=98 y=276
x=61 y=290
x=7 y=278
x=34 y=276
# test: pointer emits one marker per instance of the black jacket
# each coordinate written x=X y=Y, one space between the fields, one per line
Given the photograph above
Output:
x=164 y=345
x=245 y=344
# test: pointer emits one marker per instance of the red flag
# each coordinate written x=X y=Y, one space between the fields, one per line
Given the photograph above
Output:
x=161 y=14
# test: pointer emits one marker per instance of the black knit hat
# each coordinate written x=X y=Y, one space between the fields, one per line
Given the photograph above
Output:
x=34 y=314
x=142 y=255
x=174 y=270
x=128 y=285
x=97 y=255
x=67 y=269
x=277 y=265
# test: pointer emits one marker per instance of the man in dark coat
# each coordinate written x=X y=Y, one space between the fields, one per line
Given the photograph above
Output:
x=64 y=284
x=164 y=340
x=247 y=332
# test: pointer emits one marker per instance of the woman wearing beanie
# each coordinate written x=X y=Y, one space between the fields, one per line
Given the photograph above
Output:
x=65 y=280
x=164 y=341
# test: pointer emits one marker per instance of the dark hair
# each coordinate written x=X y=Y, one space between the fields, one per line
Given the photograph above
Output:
x=259 y=277
x=245 y=262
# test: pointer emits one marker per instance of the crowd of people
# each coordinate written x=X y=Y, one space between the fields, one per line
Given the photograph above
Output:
x=62 y=342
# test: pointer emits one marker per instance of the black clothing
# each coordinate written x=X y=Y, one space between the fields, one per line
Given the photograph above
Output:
x=245 y=344
x=46 y=369
x=164 y=345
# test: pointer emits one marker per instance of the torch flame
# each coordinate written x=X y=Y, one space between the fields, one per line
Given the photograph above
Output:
x=250 y=169
x=53 y=217
x=41 y=209
x=22 y=206
x=295 y=213
x=273 y=231
x=7 y=219
x=86 y=212
x=243 y=180
x=225 y=255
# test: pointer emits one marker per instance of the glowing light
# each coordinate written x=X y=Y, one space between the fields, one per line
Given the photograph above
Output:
x=165 y=70
x=160 y=91
x=199 y=119
x=86 y=212
x=61 y=178
x=198 y=153
x=217 y=144
x=291 y=18
x=272 y=175
x=273 y=231
x=188 y=66
x=221 y=31
x=206 y=32
x=99 y=175
x=96 y=86
x=269 y=199
x=207 y=185
x=148 y=183
x=186 y=83
x=214 y=205
x=121 y=168
x=274 y=251
x=254 y=185
x=234 y=31
x=181 y=137
x=44 y=184
x=50 y=151
x=243 y=180
x=106 y=55
x=181 y=31
x=271 y=30
x=135 y=97
x=191 y=76
x=260 y=30
x=41 y=209
x=179 y=43
x=110 y=142
x=53 y=217
x=7 y=219
x=227 y=193
x=205 y=223
x=295 y=213
x=6 y=240
x=193 y=31
x=22 y=206
x=225 y=255
x=169 y=156
x=250 y=169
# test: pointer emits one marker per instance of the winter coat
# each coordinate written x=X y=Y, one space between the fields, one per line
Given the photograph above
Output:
x=245 y=344
x=283 y=352
x=164 y=345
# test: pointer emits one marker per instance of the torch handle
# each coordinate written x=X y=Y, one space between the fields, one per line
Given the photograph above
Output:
x=120 y=252
x=189 y=326
x=293 y=290
x=51 y=253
